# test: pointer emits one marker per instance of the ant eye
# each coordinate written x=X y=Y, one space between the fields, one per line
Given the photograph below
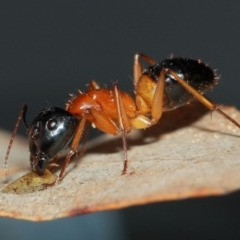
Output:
x=51 y=124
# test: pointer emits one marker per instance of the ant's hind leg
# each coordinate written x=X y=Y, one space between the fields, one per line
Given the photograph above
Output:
x=201 y=98
x=142 y=121
x=157 y=103
x=137 y=67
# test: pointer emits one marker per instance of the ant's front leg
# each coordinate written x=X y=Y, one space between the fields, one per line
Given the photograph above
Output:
x=73 y=150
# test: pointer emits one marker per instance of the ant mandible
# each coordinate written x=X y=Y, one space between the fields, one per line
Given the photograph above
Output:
x=161 y=87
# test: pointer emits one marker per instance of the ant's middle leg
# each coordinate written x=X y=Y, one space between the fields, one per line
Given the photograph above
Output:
x=124 y=124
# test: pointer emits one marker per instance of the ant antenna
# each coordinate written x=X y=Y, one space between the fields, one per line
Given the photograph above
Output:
x=24 y=110
x=22 y=114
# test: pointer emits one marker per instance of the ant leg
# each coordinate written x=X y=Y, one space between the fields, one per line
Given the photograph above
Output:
x=103 y=122
x=157 y=103
x=74 y=146
x=124 y=124
x=141 y=121
x=137 y=67
x=84 y=140
x=201 y=97
x=20 y=116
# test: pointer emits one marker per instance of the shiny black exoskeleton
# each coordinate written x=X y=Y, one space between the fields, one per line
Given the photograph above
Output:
x=194 y=72
x=51 y=130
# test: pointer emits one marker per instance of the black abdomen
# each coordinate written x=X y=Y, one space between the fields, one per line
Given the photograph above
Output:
x=194 y=72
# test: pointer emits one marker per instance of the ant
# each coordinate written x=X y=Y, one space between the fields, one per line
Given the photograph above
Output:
x=161 y=87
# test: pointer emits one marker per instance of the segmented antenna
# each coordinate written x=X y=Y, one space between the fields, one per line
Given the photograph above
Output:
x=20 y=116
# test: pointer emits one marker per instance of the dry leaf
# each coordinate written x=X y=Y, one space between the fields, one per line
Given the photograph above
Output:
x=188 y=154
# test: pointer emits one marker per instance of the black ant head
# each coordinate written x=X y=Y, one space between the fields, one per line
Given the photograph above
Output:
x=51 y=130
